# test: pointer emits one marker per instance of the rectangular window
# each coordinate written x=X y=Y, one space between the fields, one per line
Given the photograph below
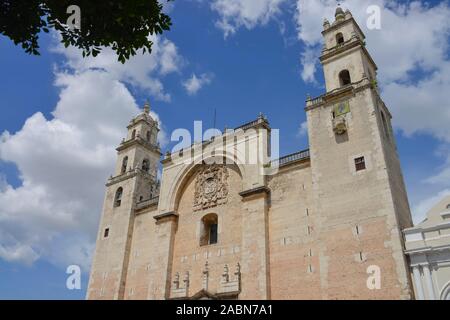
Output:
x=360 y=164
x=213 y=234
x=106 y=233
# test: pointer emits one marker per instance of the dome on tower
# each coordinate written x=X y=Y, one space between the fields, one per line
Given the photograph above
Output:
x=144 y=114
x=339 y=11
x=340 y=14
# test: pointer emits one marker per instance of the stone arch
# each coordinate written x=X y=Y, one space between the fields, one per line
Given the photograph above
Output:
x=339 y=38
x=183 y=177
x=445 y=292
x=344 y=78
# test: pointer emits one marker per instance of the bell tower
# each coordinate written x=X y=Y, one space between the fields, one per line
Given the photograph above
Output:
x=134 y=180
x=360 y=201
x=345 y=58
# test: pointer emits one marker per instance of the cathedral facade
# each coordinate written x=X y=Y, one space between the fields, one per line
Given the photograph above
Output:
x=224 y=222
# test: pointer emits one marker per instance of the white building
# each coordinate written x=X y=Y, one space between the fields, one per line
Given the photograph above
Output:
x=428 y=246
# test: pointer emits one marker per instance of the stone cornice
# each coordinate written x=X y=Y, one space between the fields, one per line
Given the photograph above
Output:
x=142 y=142
x=337 y=94
x=419 y=229
x=354 y=42
x=426 y=249
x=127 y=175
x=171 y=215
x=257 y=190
x=143 y=205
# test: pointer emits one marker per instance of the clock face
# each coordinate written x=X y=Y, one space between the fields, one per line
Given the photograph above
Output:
x=342 y=108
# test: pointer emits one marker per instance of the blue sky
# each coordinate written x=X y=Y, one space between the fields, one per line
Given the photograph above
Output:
x=62 y=116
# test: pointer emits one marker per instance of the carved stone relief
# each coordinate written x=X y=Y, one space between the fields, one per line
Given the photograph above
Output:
x=211 y=187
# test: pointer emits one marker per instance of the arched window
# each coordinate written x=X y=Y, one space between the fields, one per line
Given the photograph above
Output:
x=124 y=165
x=344 y=78
x=118 y=197
x=339 y=38
x=209 y=230
x=145 y=165
x=133 y=134
x=448 y=206
x=148 y=136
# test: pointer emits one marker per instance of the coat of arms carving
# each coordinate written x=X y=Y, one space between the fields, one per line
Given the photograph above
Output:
x=211 y=188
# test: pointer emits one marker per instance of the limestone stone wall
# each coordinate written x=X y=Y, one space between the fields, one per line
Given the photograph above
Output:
x=140 y=266
x=109 y=266
x=294 y=261
x=345 y=199
x=189 y=256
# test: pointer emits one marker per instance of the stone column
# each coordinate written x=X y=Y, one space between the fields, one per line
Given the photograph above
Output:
x=255 y=245
x=418 y=283
x=162 y=255
x=428 y=281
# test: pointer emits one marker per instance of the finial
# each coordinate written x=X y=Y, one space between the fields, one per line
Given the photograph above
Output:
x=147 y=107
x=225 y=276
x=339 y=15
x=238 y=269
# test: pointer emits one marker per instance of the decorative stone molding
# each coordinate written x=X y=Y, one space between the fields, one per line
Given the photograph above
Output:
x=257 y=190
x=177 y=291
x=339 y=125
x=168 y=215
x=205 y=277
x=142 y=142
x=227 y=285
x=211 y=187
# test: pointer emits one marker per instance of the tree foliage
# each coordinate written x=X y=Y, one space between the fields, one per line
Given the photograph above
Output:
x=123 y=25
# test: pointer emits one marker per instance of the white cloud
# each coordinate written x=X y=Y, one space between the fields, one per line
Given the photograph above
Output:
x=303 y=129
x=63 y=164
x=421 y=209
x=64 y=161
x=407 y=39
x=194 y=83
x=142 y=70
x=411 y=51
x=235 y=14
x=308 y=60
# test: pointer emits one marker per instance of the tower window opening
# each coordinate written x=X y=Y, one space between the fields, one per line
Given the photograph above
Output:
x=360 y=164
x=344 y=78
x=148 y=136
x=209 y=234
x=106 y=233
x=339 y=39
x=145 y=165
x=124 y=165
x=118 y=197
x=448 y=206
x=133 y=134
